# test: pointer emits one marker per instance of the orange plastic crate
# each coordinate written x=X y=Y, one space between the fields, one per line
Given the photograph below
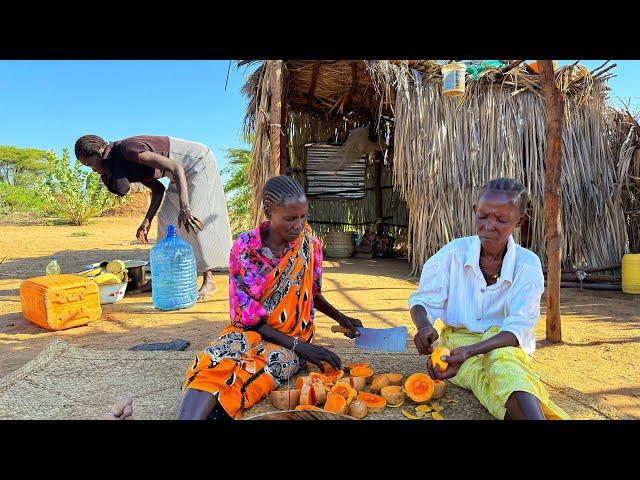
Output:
x=58 y=302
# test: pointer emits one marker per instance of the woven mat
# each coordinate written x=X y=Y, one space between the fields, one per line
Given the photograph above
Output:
x=65 y=382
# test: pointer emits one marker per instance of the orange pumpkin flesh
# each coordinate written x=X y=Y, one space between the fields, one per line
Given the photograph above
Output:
x=365 y=372
x=308 y=407
x=419 y=387
x=375 y=403
x=344 y=389
x=436 y=358
x=351 y=366
x=379 y=383
x=394 y=378
x=335 y=404
x=359 y=383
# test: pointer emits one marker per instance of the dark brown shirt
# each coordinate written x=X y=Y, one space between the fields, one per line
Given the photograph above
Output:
x=122 y=159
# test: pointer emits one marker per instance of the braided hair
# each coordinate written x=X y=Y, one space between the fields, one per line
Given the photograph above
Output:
x=278 y=190
x=509 y=185
x=88 y=145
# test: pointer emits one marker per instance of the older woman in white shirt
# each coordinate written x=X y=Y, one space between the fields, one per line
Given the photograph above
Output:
x=486 y=290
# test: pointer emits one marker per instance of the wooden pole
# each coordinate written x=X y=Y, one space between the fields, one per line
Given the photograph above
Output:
x=275 y=130
x=554 y=101
x=377 y=180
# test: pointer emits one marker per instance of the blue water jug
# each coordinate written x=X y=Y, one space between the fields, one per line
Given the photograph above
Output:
x=174 y=279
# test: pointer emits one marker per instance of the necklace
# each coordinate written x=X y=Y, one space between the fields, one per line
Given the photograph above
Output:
x=485 y=274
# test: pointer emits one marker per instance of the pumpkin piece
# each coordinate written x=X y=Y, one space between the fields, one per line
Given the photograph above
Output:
x=313 y=394
x=308 y=407
x=438 y=389
x=424 y=408
x=379 y=383
x=393 y=394
x=436 y=358
x=436 y=416
x=359 y=383
x=419 y=387
x=365 y=372
x=347 y=391
x=358 y=409
x=331 y=374
x=335 y=404
x=319 y=377
x=300 y=381
x=375 y=403
x=410 y=416
x=351 y=366
x=285 y=399
x=394 y=378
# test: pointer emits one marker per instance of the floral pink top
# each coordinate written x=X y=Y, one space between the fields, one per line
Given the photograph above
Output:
x=249 y=266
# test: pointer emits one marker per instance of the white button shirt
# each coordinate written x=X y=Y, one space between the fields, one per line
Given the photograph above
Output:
x=453 y=289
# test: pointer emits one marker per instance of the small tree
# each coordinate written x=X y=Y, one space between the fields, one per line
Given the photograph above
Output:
x=238 y=190
x=75 y=193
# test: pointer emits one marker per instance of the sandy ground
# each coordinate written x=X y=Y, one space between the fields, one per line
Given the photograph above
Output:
x=599 y=356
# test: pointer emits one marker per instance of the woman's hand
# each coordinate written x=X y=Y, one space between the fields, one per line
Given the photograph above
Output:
x=352 y=324
x=143 y=230
x=424 y=339
x=186 y=219
x=316 y=354
x=455 y=360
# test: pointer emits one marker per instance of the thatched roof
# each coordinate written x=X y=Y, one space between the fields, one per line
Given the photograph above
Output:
x=446 y=148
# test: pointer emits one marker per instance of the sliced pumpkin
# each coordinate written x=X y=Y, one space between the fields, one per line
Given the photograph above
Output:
x=348 y=367
x=319 y=377
x=424 y=408
x=285 y=399
x=379 y=383
x=347 y=391
x=365 y=372
x=308 y=407
x=394 y=378
x=335 y=404
x=313 y=394
x=393 y=394
x=375 y=403
x=359 y=383
x=436 y=357
x=438 y=389
x=419 y=387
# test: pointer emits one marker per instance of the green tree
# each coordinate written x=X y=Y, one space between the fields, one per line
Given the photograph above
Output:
x=22 y=167
x=75 y=193
x=238 y=190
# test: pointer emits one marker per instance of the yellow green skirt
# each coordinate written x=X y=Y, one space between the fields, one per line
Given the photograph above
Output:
x=494 y=376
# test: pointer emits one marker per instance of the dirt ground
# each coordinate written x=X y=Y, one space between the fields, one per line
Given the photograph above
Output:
x=599 y=356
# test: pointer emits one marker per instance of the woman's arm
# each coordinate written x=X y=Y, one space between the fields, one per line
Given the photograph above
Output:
x=157 y=193
x=329 y=310
x=161 y=162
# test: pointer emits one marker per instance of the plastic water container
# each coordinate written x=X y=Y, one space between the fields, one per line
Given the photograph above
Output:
x=631 y=273
x=173 y=273
x=453 y=79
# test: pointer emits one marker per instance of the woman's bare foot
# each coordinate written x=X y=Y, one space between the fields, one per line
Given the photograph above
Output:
x=208 y=287
x=122 y=410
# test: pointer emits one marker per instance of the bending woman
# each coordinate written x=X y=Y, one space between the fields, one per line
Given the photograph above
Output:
x=194 y=200
x=486 y=290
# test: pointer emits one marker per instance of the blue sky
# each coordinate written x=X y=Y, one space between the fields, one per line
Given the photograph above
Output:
x=49 y=104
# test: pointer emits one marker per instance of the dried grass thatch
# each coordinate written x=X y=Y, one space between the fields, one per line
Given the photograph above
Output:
x=446 y=148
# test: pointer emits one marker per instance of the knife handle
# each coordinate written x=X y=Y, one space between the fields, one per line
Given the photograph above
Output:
x=340 y=329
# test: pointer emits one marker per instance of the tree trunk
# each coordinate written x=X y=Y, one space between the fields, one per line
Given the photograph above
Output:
x=275 y=128
x=552 y=222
